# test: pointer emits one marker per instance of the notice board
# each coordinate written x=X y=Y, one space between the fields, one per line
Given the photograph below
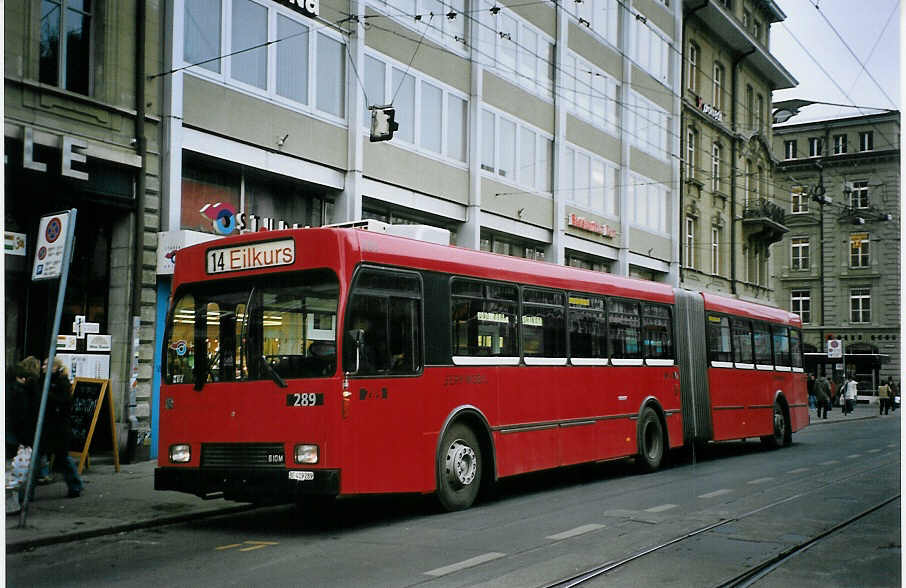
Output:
x=91 y=400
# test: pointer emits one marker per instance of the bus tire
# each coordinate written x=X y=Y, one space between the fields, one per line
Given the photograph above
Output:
x=781 y=423
x=652 y=446
x=459 y=468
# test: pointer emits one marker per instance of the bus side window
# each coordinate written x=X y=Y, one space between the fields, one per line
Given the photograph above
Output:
x=657 y=332
x=781 y=346
x=483 y=319
x=742 y=341
x=543 y=324
x=796 y=348
x=587 y=326
x=623 y=329
x=762 y=340
x=719 y=348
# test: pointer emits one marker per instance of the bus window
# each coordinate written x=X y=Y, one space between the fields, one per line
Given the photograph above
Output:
x=543 y=324
x=781 y=346
x=719 y=349
x=623 y=329
x=761 y=334
x=384 y=315
x=742 y=341
x=483 y=319
x=657 y=332
x=180 y=364
x=587 y=327
x=796 y=348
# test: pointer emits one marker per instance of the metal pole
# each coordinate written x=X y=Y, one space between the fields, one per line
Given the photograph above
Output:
x=36 y=449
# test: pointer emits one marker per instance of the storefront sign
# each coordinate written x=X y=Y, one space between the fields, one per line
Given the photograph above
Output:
x=306 y=7
x=99 y=343
x=710 y=110
x=73 y=151
x=592 y=226
x=250 y=256
x=169 y=242
x=66 y=342
x=51 y=245
x=225 y=220
x=14 y=243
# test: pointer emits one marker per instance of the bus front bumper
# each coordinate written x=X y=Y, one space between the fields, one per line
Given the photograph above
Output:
x=271 y=486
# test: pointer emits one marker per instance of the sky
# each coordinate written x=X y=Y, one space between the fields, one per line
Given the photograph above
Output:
x=871 y=29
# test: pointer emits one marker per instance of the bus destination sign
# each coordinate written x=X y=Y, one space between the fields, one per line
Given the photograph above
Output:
x=250 y=256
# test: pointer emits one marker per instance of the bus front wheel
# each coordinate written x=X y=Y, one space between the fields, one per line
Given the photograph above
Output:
x=459 y=468
x=651 y=441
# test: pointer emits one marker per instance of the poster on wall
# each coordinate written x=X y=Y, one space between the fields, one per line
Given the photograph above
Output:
x=86 y=365
x=14 y=243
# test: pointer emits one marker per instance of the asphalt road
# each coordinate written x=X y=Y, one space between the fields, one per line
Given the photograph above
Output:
x=541 y=529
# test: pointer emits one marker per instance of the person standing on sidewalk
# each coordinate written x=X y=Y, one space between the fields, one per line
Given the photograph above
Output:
x=822 y=395
x=850 y=393
x=57 y=431
x=811 y=391
x=883 y=399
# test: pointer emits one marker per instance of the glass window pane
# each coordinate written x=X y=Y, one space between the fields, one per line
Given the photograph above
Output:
x=582 y=179
x=49 y=48
x=249 y=30
x=545 y=171
x=292 y=59
x=623 y=329
x=202 y=33
x=587 y=327
x=375 y=74
x=544 y=331
x=763 y=350
x=657 y=332
x=78 y=51
x=507 y=150
x=526 y=157
x=331 y=76
x=596 y=194
x=742 y=341
x=487 y=141
x=719 y=338
x=528 y=56
x=431 y=117
x=506 y=42
x=404 y=102
x=456 y=127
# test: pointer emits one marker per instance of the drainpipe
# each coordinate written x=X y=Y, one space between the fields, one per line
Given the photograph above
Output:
x=733 y=167
x=141 y=149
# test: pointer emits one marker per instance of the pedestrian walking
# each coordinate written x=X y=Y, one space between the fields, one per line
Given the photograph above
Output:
x=883 y=398
x=811 y=390
x=850 y=393
x=822 y=396
x=57 y=431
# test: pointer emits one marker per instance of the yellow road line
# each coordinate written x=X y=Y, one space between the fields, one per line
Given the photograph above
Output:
x=222 y=547
x=252 y=548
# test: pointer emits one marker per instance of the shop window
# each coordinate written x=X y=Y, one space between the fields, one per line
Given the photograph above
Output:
x=64 y=51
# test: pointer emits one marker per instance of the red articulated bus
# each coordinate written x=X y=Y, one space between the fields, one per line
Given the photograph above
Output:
x=339 y=361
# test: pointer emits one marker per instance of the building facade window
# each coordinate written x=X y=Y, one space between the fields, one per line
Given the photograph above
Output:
x=591 y=94
x=859 y=253
x=756 y=30
x=866 y=141
x=515 y=152
x=647 y=200
x=692 y=70
x=690 y=242
x=508 y=245
x=747 y=182
x=801 y=304
x=64 y=50
x=306 y=70
x=602 y=16
x=860 y=305
x=789 y=149
x=589 y=181
x=448 y=32
x=799 y=253
x=815 y=147
x=858 y=198
x=691 y=140
x=839 y=144
x=759 y=112
x=715 y=251
x=648 y=125
x=717 y=91
x=716 y=152
x=750 y=106
x=799 y=199
x=650 y=49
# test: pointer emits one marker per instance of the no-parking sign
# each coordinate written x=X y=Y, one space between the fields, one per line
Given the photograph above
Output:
x=51 y=245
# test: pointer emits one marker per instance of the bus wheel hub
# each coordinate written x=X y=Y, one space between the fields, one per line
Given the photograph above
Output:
x=461 y=464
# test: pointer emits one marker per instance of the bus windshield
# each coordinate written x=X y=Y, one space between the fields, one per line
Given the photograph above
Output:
x=268 y=327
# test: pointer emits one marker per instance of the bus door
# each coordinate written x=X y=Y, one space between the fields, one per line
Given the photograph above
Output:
x=382 y=358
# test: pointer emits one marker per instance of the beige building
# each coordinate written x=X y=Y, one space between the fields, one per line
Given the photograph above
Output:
x=838 y=267
x=81 y=130
x=729 y=215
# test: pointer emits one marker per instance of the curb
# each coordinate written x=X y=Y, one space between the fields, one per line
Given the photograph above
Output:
x=25 y=545
x=818 y=421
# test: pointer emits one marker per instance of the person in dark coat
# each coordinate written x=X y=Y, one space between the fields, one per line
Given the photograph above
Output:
x=822 y=396
x=57 y=431
x=22 y=395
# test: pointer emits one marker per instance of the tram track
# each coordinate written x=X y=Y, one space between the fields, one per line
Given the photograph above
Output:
x=753 y=573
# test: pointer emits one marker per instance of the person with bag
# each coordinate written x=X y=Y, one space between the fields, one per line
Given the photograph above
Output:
x=849 y=396
x=822 y=395
x=57 y=430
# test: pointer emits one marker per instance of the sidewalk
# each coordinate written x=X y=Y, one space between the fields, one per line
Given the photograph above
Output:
x=115 y=502
x=111 y=503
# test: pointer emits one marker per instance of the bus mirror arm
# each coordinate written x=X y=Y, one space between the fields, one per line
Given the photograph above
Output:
x=357 y=336
x=274 y=375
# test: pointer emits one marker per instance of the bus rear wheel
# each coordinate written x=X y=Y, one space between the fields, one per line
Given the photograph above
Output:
x=781 y=435
x=651 y=441
x=459 y=468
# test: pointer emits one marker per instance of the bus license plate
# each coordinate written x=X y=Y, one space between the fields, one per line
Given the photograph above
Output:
x=301 y=476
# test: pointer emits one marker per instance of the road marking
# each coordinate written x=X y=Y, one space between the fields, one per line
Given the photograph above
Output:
x=854 y=456
x=573 y=532
x=720 y=492
x=660 y=508
x=759 y=481
x=798 y=470
x=873 y=450
x=469 y=563
x=829 y=462
x=251 y=545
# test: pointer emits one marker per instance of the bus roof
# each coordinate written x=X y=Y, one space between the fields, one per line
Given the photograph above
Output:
x=752 y=310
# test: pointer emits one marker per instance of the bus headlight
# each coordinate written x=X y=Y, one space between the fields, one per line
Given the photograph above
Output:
x=181 y=453
x=306 y=453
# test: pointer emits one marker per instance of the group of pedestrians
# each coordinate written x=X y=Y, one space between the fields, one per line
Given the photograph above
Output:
x=24 y=386
x=823 y=395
